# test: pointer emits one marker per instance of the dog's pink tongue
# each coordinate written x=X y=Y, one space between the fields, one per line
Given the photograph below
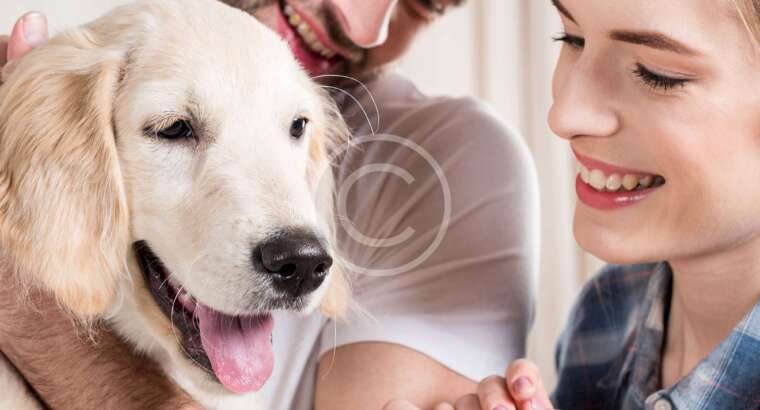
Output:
x=240 y=349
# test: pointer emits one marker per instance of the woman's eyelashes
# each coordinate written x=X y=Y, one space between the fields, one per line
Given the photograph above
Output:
x=571 y=40
x=658 y=81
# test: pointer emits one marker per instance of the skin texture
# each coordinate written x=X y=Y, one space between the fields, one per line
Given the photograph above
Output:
x=377 y=370
x=62 y=379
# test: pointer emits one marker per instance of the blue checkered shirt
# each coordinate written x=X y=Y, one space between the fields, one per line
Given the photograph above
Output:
x=609 y=356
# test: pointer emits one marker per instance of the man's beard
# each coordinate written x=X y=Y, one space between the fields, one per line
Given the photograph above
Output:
x=357 y=69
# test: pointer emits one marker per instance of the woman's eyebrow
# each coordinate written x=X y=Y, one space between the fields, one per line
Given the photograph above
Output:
x=654 y=40
x=651 y=39
x=562 y=9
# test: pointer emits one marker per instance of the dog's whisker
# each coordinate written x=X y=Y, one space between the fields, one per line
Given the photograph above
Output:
x=169 y=274
x=332 y=351
x=176 y=337
x=358 y=103
x=362 y=85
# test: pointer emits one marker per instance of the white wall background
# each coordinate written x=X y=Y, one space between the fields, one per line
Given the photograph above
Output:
x=498 y=50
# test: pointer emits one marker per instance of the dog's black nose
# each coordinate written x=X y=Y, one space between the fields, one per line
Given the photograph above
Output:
x=297 y=261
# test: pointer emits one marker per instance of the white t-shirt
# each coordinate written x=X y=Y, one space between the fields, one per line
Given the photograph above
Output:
x=440 y=232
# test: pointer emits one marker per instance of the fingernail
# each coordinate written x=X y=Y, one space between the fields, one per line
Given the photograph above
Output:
x=500 y=407
x=522 y=386
x=35 y=29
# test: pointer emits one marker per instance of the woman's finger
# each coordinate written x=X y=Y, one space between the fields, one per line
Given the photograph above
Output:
x=469 y=402
x=493 y=394
x=526 y=386
x=30 y=31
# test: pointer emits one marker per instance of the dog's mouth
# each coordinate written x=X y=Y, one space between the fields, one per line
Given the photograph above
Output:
x=236 y=350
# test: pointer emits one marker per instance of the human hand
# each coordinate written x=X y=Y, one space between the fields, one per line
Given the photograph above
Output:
x=29 y=32
x=521 y=389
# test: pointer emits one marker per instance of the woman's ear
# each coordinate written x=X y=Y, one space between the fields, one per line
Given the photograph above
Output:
x=63 y=214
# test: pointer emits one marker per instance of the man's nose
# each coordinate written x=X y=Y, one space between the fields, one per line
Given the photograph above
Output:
x=365 y=21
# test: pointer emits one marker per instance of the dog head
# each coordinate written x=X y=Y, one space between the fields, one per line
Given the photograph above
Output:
x=183 y=135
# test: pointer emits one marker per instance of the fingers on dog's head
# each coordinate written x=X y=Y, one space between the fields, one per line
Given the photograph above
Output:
x=64 y=216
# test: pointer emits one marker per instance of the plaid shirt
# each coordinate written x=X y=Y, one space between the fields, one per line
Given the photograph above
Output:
x=609 y=356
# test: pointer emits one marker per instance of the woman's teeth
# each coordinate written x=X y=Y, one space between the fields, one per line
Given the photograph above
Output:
x=308 y=35
x=616 y=182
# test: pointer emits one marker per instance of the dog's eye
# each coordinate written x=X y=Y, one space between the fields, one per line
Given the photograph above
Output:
x=179 y=130
x=298 y=128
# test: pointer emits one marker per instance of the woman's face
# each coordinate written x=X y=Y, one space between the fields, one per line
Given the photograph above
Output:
x=660 y=101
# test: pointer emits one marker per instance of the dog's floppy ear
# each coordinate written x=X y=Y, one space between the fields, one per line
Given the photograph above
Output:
x=63 y=214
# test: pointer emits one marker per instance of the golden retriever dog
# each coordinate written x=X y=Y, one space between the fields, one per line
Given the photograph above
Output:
x=167 y=167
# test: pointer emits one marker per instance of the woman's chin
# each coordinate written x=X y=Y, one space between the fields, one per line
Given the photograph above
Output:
x=612 y=246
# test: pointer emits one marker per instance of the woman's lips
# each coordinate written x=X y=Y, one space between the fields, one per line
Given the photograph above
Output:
x=608 y=201
x=607 y=187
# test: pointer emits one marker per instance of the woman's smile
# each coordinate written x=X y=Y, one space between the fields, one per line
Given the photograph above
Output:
x=607 y=187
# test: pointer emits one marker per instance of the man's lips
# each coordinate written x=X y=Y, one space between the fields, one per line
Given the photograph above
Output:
x=312 y=61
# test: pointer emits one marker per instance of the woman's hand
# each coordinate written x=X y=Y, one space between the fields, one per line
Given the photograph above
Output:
x=521 y=389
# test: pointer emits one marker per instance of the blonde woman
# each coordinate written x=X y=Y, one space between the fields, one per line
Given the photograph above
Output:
x=660 y=103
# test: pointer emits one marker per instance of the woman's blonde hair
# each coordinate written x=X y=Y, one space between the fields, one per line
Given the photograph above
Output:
x=749 y=11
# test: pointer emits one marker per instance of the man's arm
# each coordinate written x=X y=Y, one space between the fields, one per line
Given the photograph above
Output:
x=69 y=372
x=45 y=345
x=368 y=375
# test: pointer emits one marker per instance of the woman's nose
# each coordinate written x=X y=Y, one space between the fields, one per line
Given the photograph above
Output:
x=365 y=21
x=583 y=103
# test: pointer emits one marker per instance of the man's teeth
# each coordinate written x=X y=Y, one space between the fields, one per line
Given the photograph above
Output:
x=310 y=38
x=616 y=182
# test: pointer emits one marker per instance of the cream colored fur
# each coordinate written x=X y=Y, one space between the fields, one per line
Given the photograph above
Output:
x=82 y=177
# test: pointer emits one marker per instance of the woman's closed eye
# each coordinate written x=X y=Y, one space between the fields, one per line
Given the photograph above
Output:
x=571 y=40
x=658 y=81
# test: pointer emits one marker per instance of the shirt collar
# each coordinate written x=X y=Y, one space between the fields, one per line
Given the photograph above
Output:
x=638 y=369
x=727 y=378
